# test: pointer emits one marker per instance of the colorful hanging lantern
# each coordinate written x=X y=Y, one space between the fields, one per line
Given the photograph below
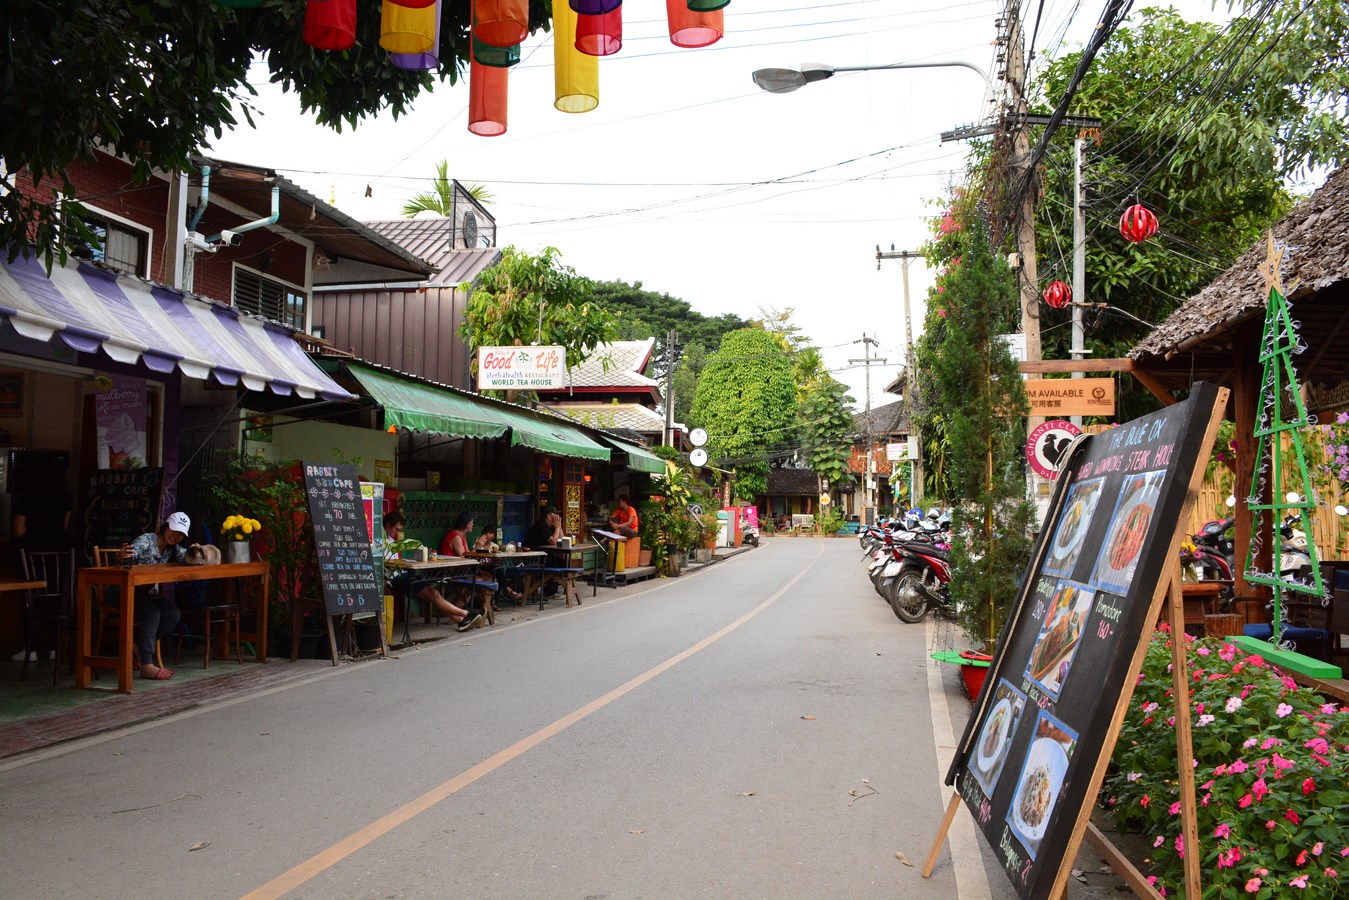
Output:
x=689 y=28
x=430 y=59
x=576 y=75
x=330 y=24
x=403 y=29
x=1137 y=224
x=707 y=5
x=1058 y=294
x=501 y=23
x=486 y=99
x=412 y=4
x=594 y=7
x=497 y=57
x=600 y=35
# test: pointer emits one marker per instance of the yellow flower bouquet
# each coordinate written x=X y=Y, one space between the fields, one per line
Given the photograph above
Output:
x=239 y=528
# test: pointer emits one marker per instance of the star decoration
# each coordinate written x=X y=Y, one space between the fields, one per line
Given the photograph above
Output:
x=1269 y=269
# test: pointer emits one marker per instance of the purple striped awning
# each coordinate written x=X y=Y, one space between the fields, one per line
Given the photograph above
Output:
x=133 y=321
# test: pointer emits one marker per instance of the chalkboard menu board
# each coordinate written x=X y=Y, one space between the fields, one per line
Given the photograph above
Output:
x=120 y=506
x=347 y=568
x=1036 y=747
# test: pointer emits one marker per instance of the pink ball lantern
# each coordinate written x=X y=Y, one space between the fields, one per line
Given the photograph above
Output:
x=1058 y=294
x=1137 y=224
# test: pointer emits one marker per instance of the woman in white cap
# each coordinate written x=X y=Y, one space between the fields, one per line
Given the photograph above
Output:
x=157 y=615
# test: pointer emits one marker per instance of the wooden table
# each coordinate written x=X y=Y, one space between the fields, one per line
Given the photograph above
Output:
x=126 y=579
x=511 y=558
x=437 y=563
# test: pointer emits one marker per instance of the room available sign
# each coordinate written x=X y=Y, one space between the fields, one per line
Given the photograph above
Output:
x=521 y=368
x=1071 y=396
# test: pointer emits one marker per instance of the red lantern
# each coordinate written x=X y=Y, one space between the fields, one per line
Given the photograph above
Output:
x=1058 y=294
x=330 y=24
x=1137 y=224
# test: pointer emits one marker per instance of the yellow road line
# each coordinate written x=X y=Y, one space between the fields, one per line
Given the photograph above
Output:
x=331 y=856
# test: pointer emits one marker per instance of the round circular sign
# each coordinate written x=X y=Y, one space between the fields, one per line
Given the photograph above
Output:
x=825 y=500
x=697 y=437
x=1047 y=444
x=698 y=457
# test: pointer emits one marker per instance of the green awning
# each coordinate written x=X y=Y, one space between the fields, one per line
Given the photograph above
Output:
x=640 y=459
x=422 y=407
x=550 y=436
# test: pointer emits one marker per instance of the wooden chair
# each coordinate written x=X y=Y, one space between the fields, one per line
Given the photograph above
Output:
x=54 y=604
x=107 y=609
x=216 y=613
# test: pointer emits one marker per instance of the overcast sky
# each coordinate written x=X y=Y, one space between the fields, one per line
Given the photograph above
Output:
x=691 y=180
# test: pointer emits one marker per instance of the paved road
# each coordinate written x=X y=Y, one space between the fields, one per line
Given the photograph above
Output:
x=764 y=728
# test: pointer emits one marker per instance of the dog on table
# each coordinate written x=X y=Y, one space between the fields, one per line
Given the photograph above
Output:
x=202 y=555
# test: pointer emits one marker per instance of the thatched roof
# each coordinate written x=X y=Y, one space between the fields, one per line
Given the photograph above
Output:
x=1199 y=336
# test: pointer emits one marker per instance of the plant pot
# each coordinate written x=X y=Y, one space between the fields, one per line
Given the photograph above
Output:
x=367 y=636
x=973 y=671
x=643 y=557
x=235 y=552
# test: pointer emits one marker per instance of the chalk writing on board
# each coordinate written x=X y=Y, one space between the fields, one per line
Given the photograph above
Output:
x=348 y=569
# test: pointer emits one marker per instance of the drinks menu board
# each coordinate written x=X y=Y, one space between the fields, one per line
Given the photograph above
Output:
x=1044 y=726
x=120 y=505
x=347 y=567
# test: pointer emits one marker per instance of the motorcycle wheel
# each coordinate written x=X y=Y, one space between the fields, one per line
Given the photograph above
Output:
x=909 y=606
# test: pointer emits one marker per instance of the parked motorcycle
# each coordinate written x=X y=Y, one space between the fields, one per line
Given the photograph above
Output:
x=921 y=585
x=749 y=534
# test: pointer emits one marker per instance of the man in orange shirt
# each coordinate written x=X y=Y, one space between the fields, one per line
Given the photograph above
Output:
x=624 y=519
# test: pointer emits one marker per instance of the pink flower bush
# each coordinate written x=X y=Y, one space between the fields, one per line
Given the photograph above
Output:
x=1272 y=765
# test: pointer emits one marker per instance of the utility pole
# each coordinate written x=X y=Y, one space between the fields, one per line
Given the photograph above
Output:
x=868 y=360
x=1025 y=215
x=1079 y=342
x=910 y=381
x=670 y=338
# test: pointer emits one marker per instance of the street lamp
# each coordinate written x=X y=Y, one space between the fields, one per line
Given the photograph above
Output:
x=784 y=81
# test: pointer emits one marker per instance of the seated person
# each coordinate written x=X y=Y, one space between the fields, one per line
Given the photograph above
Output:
x=455 y=543
x=421 y=588
x=487 y=541
x=546 y=530
x=624 y=519
x=157 y=614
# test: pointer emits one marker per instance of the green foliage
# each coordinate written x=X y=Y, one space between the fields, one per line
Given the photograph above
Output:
x=830 y=520
x=972 y=397
x=1271 y=770
x=686 y=379
x=827 y=428
x=154 y=80
x=1208 y=147
x=440 y=199
x=511 y=299
x=746 y=399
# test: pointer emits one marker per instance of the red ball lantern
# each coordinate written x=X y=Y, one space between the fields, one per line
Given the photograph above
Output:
x=1137 y=224
x=1058 y=294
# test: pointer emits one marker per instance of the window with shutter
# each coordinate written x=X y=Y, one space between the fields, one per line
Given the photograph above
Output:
x=262 y=296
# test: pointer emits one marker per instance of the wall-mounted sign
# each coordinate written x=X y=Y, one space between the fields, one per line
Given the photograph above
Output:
x=521 y=368
x=1071 y=396
x=895 y=452
x=1046 y=446
x=697 y=437
x=698 y=457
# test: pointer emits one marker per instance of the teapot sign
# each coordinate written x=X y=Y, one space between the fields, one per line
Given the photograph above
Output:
x=521 y=368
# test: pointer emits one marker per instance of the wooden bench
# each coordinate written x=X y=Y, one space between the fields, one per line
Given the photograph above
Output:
x=468 y=586
x=563 y=576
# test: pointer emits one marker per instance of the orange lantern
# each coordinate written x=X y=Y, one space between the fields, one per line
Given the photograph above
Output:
x=501 y=23
x=1058 y=294
x=403 y=29
x=690 y=28
x=330 y=24
x=1137 y=224
x=486 y=99
x=576 y=75
x=600 y=35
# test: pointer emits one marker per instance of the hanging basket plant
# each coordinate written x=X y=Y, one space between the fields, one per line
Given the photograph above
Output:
x=1137 y=224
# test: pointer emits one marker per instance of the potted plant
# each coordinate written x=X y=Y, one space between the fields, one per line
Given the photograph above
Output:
x=235 y=535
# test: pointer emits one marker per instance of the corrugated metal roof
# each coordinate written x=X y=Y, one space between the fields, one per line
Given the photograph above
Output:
x=892 y=418
x=433 y=239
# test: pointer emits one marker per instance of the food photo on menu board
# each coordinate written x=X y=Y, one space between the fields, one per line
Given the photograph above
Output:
x=1119 y=553
x=1042 y=775
x=1066 y=545
x=1059 y=637
x=995 y=738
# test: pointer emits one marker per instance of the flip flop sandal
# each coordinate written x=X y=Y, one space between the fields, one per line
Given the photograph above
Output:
x=161 y=675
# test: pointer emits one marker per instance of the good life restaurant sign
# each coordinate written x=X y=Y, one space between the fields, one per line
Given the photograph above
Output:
x=521 y=368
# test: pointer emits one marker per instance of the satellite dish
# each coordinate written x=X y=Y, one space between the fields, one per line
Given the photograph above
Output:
x=698 y=457
x=470 y=229
x=697 y=437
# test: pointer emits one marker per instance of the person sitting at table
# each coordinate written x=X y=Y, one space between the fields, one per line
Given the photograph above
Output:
x=455 y=543
x=403 y=583
x=487 y=541
x=624 y=519
x=546 y=530
x=157 y=614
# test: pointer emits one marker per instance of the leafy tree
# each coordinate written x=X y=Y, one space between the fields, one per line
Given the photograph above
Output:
x=827 y=429
x=694 y=358
x=154 y=80
x=746 y=399
x=527 y=299
x=440 y=199
x=1203 y=125
x=971 y=390
x=642 y=314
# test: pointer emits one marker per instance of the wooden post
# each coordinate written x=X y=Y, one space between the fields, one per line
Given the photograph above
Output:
x=1180 y=680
